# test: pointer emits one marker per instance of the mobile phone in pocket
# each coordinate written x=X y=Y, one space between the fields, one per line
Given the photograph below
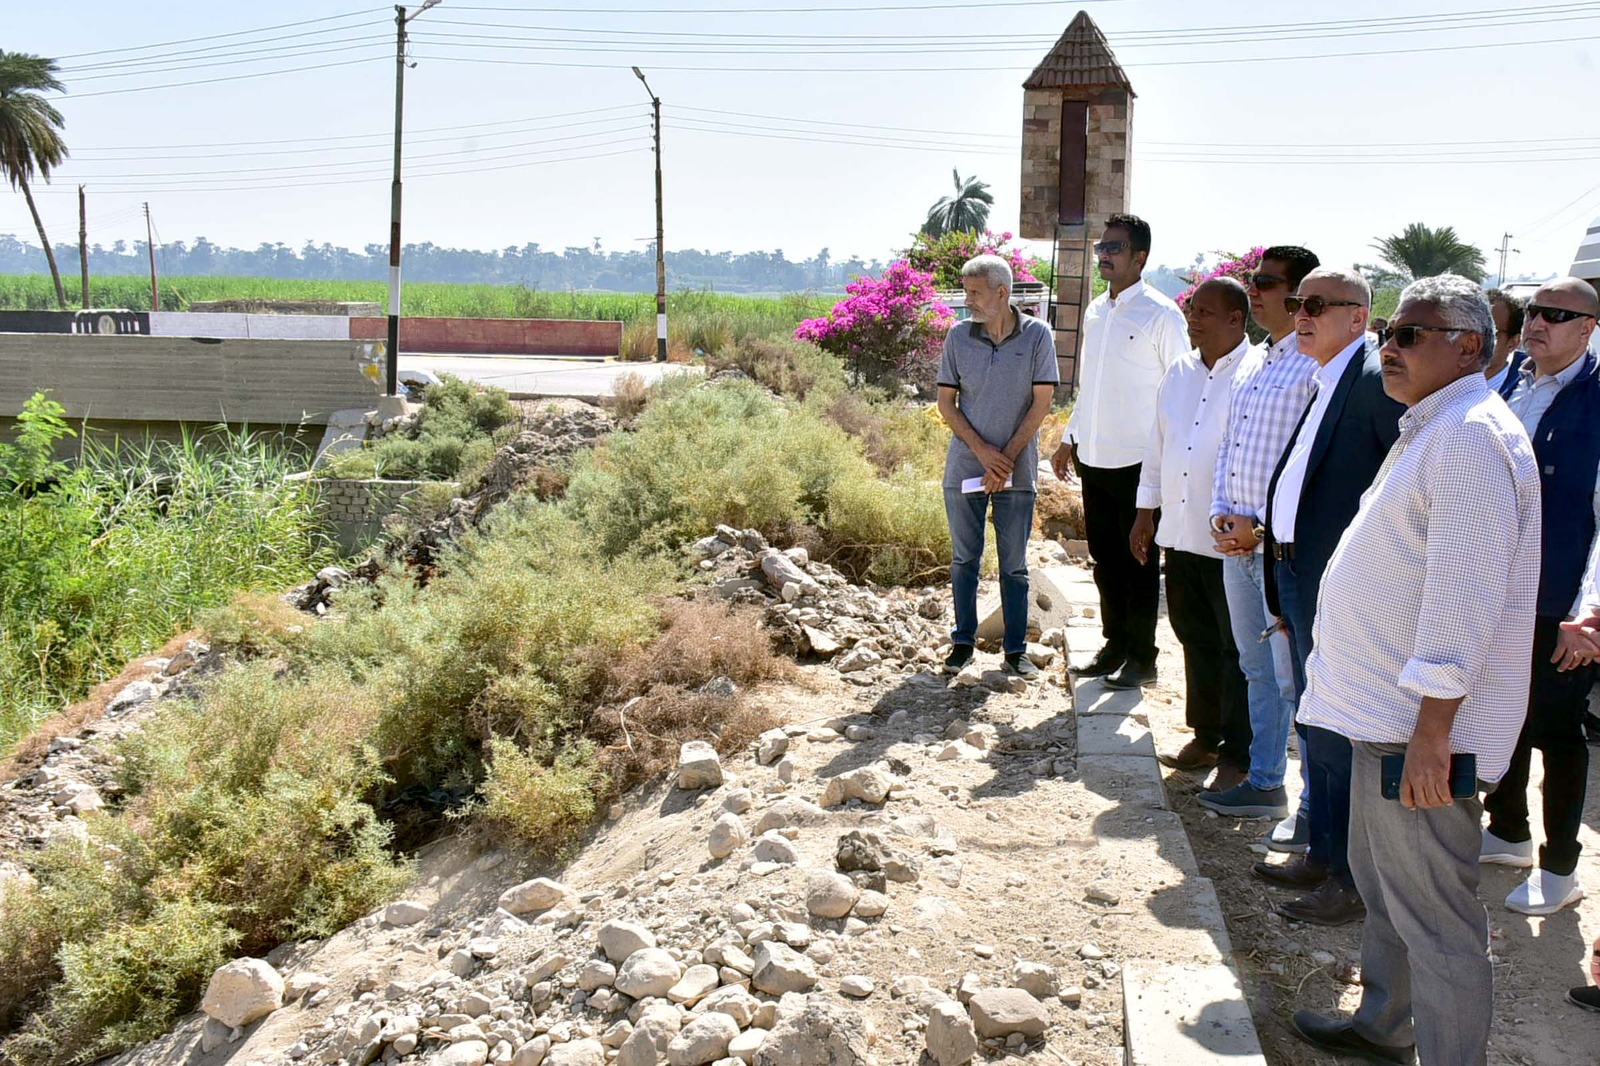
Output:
x=1463 y=775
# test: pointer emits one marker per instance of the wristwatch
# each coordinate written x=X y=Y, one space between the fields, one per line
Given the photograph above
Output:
x=1259 y=530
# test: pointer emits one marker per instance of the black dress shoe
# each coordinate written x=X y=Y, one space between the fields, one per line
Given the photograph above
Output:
x=1134 y=674
x=1106 y=660
x=1339 y=1036
x=1298 y=872
x=1189 y=758
x=1330 y=903
x=1585 y=996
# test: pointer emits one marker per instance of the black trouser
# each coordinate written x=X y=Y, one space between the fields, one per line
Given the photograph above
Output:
x=1326 y=753
x=1215 y=706
x=1557 y=702
x=1129 y=591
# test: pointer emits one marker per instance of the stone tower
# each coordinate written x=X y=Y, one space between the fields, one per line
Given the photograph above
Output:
x=1077 y=112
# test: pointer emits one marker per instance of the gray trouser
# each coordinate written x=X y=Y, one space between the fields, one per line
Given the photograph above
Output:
x=1425 y=946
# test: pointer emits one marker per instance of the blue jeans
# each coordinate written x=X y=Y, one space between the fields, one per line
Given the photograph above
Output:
x=1269 y=681
x=1325 y=755
x=1013 y=521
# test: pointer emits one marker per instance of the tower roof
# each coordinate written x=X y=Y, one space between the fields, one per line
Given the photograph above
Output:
x=1081 y=59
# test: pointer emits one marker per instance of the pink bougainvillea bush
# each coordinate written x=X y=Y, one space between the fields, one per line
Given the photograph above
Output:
x=887 y=329
x=1237 y=267
x=943 y=257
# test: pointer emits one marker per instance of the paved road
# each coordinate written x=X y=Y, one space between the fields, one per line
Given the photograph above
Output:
x=525 y=377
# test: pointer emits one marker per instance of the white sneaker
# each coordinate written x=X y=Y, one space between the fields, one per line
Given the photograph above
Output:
x=1545 y=893
x=1504 y=853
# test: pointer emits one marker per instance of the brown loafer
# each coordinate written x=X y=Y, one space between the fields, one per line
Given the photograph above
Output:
x=1298 y=872
x=1225 y=778
x=1329 y=904
x=1189 y=758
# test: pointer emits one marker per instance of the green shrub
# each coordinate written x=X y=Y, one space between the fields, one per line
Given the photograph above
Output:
x=453 y=437
x=540 y=802
x=892 y=532
x=701 y=456
x=788 y=367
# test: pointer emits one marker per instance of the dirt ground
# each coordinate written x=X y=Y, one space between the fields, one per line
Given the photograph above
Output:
x=1536 y=959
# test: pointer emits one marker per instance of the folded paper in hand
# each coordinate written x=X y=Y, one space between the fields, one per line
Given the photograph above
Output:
x=975 y=484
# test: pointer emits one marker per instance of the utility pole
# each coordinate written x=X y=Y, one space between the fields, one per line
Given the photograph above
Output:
x=83 y=244
x=1505 y=245
x=661 y=248
x=150 y=246
x=392 y=350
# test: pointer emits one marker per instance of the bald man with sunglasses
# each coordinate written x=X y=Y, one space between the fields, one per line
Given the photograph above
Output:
x=1557 y=399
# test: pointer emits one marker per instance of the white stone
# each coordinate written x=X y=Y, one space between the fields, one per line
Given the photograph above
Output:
x=771 y=746
x=243 y=991
x=744 y=1046
x=596 y=974
x=999 y=1012
x=856 y=659
x=772 y=846
x=738 y=800
x=951 y=1040
x=619 y=939
x=540 y=894
x=704 y=1040
x=868 y=784
x=733 y=1001
x=1035 y=978
x=816 y=1031
x=404 y=912
x=304 y=983
x=697 y=981
x=648 y=972
x=698 y=766
x=577 y=1053
x=870 y=904
x=466 y=1053
x=1041 y=654
x=858 y=985
x=958 y=749
x=133 y=695
x=532 y=1053
x=830 y=895
x=779 y=969
x=728 y=834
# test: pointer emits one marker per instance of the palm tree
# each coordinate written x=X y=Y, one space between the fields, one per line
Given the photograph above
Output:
x=1420 y=252
x=30 y=134
x=968 y=209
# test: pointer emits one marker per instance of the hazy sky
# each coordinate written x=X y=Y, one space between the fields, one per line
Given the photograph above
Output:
x=802 y=124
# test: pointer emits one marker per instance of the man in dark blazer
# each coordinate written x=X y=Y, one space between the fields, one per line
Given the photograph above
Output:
x=1316 y=490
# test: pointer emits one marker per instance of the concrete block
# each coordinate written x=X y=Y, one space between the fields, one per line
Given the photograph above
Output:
x=1196 y=1015
x=1047 y=608
x=1114 y=734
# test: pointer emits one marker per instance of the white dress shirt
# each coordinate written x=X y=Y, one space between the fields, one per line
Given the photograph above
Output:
x=1286 y=502
x=1179 y=461
x=1529 y=402
x=1404 y=611
x=1128 y=344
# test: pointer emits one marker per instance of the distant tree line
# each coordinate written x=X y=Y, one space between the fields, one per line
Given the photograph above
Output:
x=575 y=267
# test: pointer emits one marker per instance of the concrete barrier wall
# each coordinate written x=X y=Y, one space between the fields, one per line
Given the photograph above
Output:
x=241 y=327
x=496 y=336
x=109 y=321
x=160 y=379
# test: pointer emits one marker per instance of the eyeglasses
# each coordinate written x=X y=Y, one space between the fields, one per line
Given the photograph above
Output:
x=1411 y=336
x=1265 y=282
x=1314 y=305
x=1554 y=315
x=1110 y=247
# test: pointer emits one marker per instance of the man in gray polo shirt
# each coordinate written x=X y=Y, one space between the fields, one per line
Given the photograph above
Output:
x=996 y=382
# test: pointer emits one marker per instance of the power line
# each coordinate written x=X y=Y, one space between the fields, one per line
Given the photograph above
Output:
x=214 y=81
x=370 y=41
x=220 y=36
x=214 y=50
x=930 y=5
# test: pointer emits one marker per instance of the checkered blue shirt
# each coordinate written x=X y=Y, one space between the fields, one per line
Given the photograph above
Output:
x=1270 y=391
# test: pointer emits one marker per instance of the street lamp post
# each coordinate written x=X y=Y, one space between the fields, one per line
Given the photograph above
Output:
x=661 y=250
x=392 y=351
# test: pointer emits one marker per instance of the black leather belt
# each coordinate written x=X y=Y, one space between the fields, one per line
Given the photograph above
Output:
x=1281 y=552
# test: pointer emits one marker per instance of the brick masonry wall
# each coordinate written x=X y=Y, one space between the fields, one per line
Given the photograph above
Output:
x=354 y=509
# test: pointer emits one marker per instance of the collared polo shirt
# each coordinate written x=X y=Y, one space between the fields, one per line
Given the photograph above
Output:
x=994 y=384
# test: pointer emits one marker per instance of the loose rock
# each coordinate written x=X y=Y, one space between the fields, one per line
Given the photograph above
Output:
x=243 y=991
x=951 y=1040
x=530 y=897
x=999 y=1012
x=698 y=766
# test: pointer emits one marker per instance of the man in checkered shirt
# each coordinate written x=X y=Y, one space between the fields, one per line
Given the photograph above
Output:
x=1417 y=655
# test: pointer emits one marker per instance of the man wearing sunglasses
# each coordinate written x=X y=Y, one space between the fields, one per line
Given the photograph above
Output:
x=1332 y=458
x=1131 y=335
x=1557 y=398
x=1270 y=393
x=1423 y=631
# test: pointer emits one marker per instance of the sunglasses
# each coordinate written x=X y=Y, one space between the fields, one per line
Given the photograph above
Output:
x=1554 y=315
x=1411 y=336
x=1266 y=281
x=1313 y=305
x=1110 y=247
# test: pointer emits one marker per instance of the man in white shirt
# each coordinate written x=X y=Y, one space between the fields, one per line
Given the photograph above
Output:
x=1557 y=399
x=1176 y=479
x=1418 y=659
x=1131 y=335
x=1505 y=367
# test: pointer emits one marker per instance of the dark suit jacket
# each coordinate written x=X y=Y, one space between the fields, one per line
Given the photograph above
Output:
x=1354 y=437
